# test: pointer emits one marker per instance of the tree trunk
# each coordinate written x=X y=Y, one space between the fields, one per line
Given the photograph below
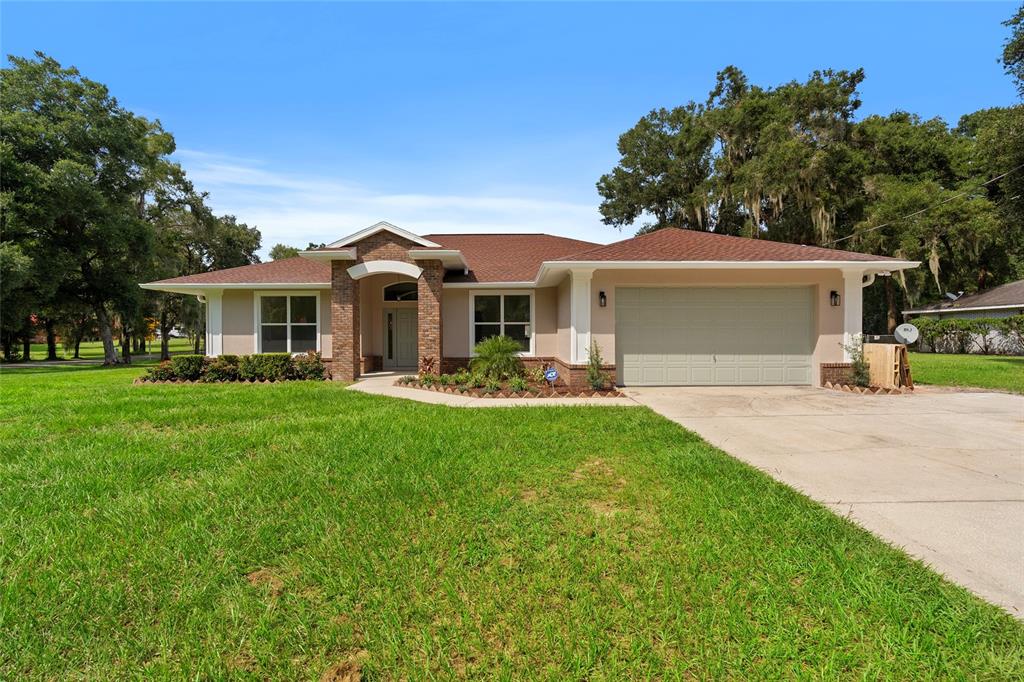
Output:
x=142 y=344
x=51 y=341
x=78 y=345
x=890 y=300
x=126 y=347
x=26 y=347
x=107 y=336
x=165 y=345
x=8 y=347
x=196 y=343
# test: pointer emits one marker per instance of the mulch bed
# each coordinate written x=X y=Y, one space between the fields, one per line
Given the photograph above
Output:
x=868 y=390
x=533 y=392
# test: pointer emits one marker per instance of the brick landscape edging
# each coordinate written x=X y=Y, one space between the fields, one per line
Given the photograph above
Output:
x=561 y=392
x=867 y=390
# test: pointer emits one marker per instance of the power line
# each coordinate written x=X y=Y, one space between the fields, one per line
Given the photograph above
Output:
x=923 y=210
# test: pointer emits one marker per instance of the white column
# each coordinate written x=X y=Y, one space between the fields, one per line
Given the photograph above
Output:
x=853 y=308
x=214 y=323
x=579 y=315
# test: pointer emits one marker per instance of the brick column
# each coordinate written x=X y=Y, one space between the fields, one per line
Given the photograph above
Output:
x=345 y=347
x=429 y=312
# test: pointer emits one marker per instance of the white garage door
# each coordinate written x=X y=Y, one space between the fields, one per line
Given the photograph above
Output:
x=708 y=336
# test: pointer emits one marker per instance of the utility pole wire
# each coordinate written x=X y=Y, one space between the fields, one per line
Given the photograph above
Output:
x=923 y=210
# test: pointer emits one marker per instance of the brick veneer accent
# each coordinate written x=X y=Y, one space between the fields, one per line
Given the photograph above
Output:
x=383 y=246
x=345 y=340
x=836 y=372
x=428 y=313
x=347 y=361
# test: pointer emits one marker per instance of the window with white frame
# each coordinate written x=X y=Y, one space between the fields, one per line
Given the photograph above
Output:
x=287 y=323
x=503 y=315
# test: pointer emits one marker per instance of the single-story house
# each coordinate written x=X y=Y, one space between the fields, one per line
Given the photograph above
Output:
x=671 y=307
x=1002 y=301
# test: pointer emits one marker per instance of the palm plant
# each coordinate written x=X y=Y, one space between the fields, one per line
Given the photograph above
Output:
x=497 y=357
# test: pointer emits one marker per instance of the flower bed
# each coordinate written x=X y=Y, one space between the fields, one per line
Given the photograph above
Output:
x=259 y=368
x=517 y=387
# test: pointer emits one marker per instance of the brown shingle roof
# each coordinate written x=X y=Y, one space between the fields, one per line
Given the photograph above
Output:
x=674 y=244
x=517 y=257
x=506 y=257
x=1005 y=295
x=295 y=270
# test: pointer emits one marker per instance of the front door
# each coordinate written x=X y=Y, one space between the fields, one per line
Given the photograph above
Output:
x=400 y=338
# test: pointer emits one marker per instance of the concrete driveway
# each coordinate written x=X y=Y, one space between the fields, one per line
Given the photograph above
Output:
x=938 y=473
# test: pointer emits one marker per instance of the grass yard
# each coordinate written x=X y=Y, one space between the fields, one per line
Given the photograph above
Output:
x=1000 y=372
x=277 y=531
x=93 y=350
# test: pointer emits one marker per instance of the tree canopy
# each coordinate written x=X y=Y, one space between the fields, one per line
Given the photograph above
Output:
x=92 y=205
x=793 y=163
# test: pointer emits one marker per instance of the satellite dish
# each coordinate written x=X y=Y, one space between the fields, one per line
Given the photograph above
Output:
x=906 y=333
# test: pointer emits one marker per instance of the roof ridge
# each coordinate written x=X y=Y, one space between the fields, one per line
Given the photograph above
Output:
x=700 y=233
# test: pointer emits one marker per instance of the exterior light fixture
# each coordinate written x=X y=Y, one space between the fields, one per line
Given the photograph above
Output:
x=602 y=299
x=834 y=298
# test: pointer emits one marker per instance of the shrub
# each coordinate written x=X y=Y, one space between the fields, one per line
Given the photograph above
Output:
x=406 y=379
x=595 y=376
x=535 y=374
x=497 y=358
x=161 y=372
x=1012 y=329
x=308 y=367
x=428 y=379
x=477 y=380
x=492 y=385
x=446 y=380
x=859 y=367
x=461 y=378
x=518 y=384
x=222 y=368
x=428 y=365
x=929 y=333
x=188 y=367
x=265 y=367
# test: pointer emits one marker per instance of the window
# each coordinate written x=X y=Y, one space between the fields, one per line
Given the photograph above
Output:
x=503 y=315
x=287 y=324
x=402 y=291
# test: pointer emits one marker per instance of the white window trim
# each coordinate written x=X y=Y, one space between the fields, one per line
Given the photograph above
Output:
x=257 y=338
x=531 y=325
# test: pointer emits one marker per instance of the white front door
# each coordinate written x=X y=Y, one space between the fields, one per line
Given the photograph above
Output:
x=400 y=338
x=709 y=336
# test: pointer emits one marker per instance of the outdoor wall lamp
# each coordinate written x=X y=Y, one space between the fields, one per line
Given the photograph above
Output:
x=834 y=298
x=602 y=300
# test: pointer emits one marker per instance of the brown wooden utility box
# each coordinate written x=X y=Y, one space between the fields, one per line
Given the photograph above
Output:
x=888 y=365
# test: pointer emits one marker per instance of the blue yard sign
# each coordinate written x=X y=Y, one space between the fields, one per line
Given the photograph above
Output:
x=551 y=375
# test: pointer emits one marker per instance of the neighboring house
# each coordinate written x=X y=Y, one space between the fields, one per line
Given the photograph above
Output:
x=673 y=307
x=1006 y=300
x=1002 y=301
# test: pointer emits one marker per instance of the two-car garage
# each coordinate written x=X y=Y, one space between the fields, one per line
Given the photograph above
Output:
x=678 y=336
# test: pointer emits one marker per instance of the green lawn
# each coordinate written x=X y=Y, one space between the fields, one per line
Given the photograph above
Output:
x=274 y=531
x=93 y=350
x=1000 y=372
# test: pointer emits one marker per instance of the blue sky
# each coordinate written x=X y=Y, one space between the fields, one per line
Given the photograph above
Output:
x=314 y=120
